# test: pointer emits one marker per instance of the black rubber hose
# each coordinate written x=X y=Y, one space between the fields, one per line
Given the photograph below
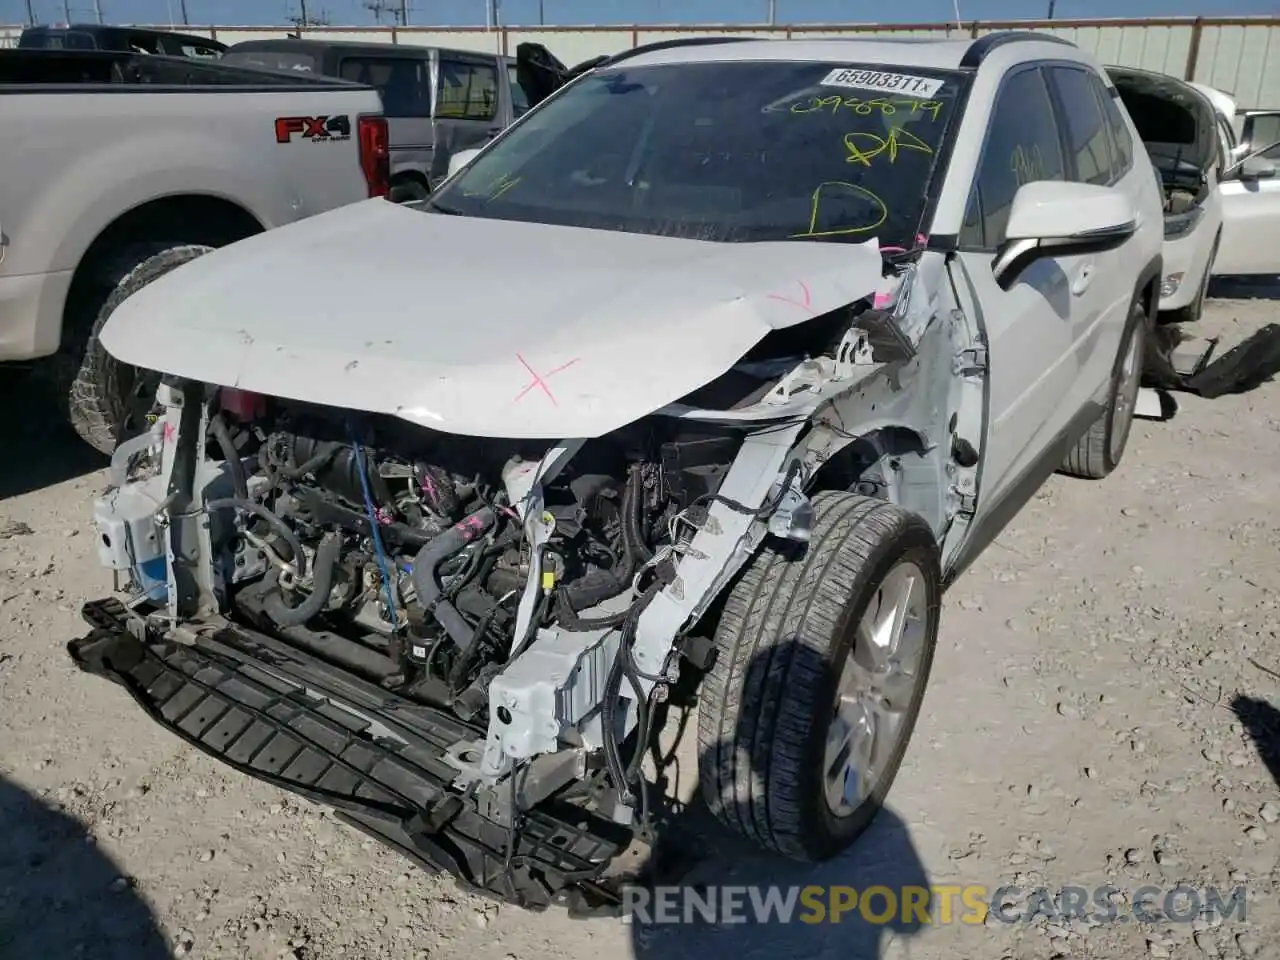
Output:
x=603 y=585
x=321 y=583
x=569 y=619
x=279 y=526
x=218 y=427
x=310 y=466
x=623 y=665
x=426 y=580
x=632 y=535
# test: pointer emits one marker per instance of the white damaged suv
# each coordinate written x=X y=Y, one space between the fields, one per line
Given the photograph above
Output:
x=693 y=391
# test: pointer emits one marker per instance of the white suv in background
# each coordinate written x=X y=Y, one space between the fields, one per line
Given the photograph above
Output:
x=1221 y=200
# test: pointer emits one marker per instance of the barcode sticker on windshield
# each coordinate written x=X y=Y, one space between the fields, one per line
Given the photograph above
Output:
x=902 y=83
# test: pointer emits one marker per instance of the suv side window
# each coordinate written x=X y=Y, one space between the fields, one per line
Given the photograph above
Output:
x=403 y=82
x=1087 y=140
x=1121 y=139
x=1023 y=145
x=519 y=99
x=468 y=90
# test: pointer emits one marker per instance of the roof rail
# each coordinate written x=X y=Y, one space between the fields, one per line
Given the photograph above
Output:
x=667 y=44
x=979 y=49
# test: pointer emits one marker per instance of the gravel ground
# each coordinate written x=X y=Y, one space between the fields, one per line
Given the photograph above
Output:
x=1084 y=727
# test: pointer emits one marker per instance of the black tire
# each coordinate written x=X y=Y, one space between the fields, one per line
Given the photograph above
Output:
x=105 y=398
x=783 y=641
x=1194 y=310
x=1099 y=451
x=408 y=191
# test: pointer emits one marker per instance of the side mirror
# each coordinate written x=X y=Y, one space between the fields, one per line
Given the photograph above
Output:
x=461 y=159
x=1055 y=218
x=1257 y=168
x=1252 y=165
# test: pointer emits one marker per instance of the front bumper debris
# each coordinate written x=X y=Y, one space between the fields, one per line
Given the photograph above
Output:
x=287 y=718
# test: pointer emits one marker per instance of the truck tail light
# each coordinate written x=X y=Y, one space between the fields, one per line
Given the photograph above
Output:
x=375 y=155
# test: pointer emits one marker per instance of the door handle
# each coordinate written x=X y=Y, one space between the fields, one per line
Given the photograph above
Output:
x=1083 y=279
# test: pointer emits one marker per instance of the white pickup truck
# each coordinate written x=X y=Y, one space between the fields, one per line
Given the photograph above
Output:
x=119 y=167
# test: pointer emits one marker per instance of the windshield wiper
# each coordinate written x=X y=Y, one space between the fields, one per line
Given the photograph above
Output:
x=438 y=208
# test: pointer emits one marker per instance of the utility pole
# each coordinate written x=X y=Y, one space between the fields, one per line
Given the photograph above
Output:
x=185 y=19
x=1052 y=3
x=31 y=13
x=66 y=10
x=542 y=19
x=773 y=13
x=302 y=19
x=379 y=7
x=97 y=9
x=404 y=13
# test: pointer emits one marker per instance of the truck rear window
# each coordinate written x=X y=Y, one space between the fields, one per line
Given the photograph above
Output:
x=271 y=60
x=56 y=40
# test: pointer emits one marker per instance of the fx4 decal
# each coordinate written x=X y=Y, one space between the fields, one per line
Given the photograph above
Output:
x=313 y=128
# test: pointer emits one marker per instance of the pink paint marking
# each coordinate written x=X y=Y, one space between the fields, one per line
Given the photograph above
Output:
x=882 y=300
x=540 y=380
x=470 y=526
x=429 y=487
x=168 y=432
x=806 y=304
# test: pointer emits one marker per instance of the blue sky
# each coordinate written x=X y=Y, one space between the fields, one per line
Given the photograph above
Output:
x=626 y=11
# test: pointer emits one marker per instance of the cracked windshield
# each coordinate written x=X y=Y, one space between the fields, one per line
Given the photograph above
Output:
x=742 y=151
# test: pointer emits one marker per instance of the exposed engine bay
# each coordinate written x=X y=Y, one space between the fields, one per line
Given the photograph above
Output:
x=403 y=556
x=1179 y=133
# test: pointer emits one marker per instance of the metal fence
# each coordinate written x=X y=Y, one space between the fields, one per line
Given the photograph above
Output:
x=1240 y=55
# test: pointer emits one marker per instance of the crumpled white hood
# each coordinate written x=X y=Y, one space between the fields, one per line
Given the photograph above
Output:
x=481 y=327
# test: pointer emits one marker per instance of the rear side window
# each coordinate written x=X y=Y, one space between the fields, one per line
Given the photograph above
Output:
x=1088 y=142
x=57 y=40
x=270 y=60
x=1023 y=145
x=468 y=90
x=519 y=99
x=403 y=83
x=1121 y=138
x=144 y=43
x=199 y=52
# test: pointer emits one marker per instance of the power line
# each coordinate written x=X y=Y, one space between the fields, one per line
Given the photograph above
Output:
x=399 y=12
x=302 y=19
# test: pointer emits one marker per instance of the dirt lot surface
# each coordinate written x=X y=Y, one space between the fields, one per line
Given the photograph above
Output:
x=1079 y=730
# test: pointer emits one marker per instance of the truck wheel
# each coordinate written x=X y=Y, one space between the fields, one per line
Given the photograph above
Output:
x=408 y=191
x=822 y=661
x=1098 y=452
x=108 y=400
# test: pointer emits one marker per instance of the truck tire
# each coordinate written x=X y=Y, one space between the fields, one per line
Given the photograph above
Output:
x=795 y=676
x=106 y=399
x=1099 y=451
x=408 y=191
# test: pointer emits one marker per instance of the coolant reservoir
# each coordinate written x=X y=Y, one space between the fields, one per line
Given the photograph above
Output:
x=129 y=539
